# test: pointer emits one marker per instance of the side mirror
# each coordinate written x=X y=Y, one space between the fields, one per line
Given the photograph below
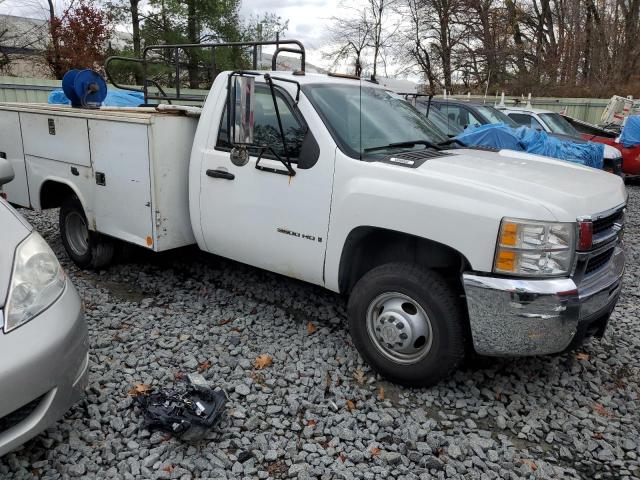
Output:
x=6 y=171
x=241 y=108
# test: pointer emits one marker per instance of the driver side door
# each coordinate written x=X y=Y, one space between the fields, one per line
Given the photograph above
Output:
x=270 y=220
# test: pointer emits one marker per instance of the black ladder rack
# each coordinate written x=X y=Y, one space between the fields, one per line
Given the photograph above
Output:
x=292 y=46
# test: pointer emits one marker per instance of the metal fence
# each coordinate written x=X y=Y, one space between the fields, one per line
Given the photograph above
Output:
x=36 y=90
x=29 y=90
x=587 y=109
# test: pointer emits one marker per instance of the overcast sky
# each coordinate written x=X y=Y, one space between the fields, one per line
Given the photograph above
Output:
x=308 y=19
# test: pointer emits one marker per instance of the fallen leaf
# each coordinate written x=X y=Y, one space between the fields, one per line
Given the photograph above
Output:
x=327 y=383
x=531 y=463
x=224 y=321
x=597 y=436
x=140 y=389
x=582 y=356
x=342 y=457
x=381 y=394
x=311 y=422
x=439 y=451
x=202 y=367
x=310 y=328
x=179 y=375
x=358 y=375
x=262 y=361
x=168 y=468
x=375 y=451
x=351 y=405
x=601 y=410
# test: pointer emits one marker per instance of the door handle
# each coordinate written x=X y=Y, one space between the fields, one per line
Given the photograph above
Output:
x=220 y=174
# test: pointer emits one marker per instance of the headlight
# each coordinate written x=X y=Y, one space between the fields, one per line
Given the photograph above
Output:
x=36 y=282
x=530 y=248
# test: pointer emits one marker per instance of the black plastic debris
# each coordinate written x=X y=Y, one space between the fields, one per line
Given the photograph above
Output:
x=188 y=412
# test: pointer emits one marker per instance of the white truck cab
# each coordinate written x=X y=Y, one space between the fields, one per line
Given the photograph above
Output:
x=341 y=183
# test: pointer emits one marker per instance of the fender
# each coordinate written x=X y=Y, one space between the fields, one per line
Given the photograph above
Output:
x=53 y=179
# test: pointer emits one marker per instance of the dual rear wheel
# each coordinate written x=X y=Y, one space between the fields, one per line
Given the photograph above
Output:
x=86 y=248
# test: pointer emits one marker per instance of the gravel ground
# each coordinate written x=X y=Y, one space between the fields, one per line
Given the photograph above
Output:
x=318 y=411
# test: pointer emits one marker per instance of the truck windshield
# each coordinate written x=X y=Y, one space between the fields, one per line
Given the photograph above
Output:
x=364 y=119
x=557 y=124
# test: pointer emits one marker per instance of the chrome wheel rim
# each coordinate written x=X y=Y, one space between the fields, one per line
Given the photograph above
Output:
x=77 y=233
x=399 y=328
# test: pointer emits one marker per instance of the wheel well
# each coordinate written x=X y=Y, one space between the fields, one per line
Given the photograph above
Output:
x=53 y=194
x=368 y=247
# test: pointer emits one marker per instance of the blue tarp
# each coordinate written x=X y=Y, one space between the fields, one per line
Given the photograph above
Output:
x=631 y=132
x=534 y=141
x=115 y=98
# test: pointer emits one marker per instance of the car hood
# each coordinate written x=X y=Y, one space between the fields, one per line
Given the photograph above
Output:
x=565 y=189
x=14 y=229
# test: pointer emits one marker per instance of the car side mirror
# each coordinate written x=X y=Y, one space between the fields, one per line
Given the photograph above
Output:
x=240 y=105
x=6 y=171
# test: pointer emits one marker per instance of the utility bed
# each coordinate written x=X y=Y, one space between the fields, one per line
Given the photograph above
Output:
x=129 y=167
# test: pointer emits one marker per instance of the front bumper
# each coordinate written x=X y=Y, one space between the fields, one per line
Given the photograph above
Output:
x=43 y=370
x=537 y=317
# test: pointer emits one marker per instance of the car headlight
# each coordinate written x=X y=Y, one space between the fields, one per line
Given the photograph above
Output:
x=37 y=281
x=531 y=248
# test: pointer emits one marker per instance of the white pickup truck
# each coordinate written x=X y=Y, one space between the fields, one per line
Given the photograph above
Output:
x=340 y=183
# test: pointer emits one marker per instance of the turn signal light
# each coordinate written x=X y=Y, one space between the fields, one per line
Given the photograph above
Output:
x=506 y=261
x=509 y=234
x=585 y=237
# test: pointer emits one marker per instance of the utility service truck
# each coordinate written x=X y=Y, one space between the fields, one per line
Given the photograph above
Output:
x=338 y=182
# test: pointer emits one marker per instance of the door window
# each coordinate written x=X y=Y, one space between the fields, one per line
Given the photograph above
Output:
x=459 y=115
x=265 y=125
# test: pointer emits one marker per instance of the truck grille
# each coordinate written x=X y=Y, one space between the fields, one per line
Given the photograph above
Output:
x=602 y=225
x=598 y=261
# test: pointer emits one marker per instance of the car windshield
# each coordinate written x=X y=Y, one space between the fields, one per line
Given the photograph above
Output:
x=557 y=124
x=362 y=118
x=496 y=116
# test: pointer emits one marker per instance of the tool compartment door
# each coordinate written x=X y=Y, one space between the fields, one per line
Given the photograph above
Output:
x=56 y=137
x=120 y=156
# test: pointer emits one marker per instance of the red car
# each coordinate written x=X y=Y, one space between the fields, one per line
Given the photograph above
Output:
x=630 y=156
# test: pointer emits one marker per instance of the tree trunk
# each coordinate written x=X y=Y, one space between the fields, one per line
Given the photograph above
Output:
x=192 y=37
x=137 y=46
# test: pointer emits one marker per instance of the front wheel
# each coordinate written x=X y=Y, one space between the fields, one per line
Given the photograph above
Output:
x=87 y=249
x=407 y=323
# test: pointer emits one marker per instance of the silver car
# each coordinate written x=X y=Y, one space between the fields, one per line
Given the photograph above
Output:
x=43 y=333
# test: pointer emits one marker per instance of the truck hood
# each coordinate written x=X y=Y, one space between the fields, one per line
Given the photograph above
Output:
x=565 y=189
x=14 y=229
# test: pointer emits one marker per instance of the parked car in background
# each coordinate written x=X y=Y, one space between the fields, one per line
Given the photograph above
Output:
x=594 y=133
x=555 y=124
x=43 y=334
x=465 y=113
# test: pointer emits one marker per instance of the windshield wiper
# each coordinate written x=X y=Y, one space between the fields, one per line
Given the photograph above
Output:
x=410 y=143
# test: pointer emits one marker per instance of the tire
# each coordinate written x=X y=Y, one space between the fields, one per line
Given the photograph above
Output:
x=408 y=293
x=87 y=249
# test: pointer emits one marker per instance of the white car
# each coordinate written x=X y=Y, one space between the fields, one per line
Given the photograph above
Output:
x=553 y=123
